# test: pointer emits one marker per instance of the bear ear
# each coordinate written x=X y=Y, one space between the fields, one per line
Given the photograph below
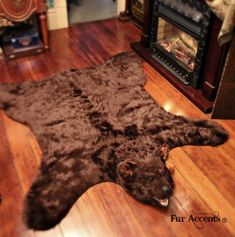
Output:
x=131 y=164
x=127 y=168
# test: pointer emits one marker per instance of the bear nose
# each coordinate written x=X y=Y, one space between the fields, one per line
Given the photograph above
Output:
x=166 y=189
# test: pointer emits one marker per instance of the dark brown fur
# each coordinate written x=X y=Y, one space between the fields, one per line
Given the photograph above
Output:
x=95 y=125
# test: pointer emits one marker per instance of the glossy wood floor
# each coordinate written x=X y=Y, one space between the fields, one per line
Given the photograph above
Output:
x=204 y=176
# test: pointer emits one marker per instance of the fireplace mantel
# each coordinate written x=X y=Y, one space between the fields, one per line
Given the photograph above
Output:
x=212 y=67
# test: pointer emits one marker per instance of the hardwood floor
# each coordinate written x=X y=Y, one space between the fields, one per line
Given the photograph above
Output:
x=204 y=176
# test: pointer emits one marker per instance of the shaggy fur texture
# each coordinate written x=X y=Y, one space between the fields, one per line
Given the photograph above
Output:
x=96 y=125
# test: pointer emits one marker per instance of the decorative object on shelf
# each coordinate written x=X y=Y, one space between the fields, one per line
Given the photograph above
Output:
x=99 y=125
x=5 y=23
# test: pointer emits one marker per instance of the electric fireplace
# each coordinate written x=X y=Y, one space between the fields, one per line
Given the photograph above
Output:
x=178 y=37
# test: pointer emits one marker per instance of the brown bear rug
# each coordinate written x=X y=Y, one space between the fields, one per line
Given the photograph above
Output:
x=96 y=125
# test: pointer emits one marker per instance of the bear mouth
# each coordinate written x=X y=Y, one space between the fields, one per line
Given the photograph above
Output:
x=162 y=202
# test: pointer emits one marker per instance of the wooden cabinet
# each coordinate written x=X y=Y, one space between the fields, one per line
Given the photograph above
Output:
x=225 y=100
x=20 y=10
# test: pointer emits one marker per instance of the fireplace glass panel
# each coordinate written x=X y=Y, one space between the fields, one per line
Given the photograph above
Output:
x=177 y=43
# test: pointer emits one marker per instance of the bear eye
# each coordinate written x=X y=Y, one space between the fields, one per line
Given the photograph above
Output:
x=162 y=172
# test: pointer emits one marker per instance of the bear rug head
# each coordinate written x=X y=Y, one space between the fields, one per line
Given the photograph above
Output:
x=96 y=125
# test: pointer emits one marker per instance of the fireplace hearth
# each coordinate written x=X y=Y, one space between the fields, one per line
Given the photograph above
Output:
x=179 y=39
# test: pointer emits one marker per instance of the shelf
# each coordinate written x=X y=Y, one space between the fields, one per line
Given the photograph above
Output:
x=13 y=53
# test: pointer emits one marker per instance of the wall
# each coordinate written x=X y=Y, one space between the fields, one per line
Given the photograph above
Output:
x=57 y=15
x=121 y=5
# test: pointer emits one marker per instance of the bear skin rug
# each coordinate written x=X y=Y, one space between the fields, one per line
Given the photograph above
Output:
x=96 y=125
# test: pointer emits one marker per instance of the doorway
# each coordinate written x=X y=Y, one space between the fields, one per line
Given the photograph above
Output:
x=80 y=11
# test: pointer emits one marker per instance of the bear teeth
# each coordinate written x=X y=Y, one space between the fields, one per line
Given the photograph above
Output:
x=163 y=202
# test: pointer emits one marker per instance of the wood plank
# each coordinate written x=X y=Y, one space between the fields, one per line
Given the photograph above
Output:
x=26 y=164
x=194 y=205
x=74 y=224
x=210 y=160
x=55 y=232
x=115 y=209
x=11 y=191
x=205 y=189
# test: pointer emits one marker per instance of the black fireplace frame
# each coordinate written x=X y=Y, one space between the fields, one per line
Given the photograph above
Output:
x=198 y=30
